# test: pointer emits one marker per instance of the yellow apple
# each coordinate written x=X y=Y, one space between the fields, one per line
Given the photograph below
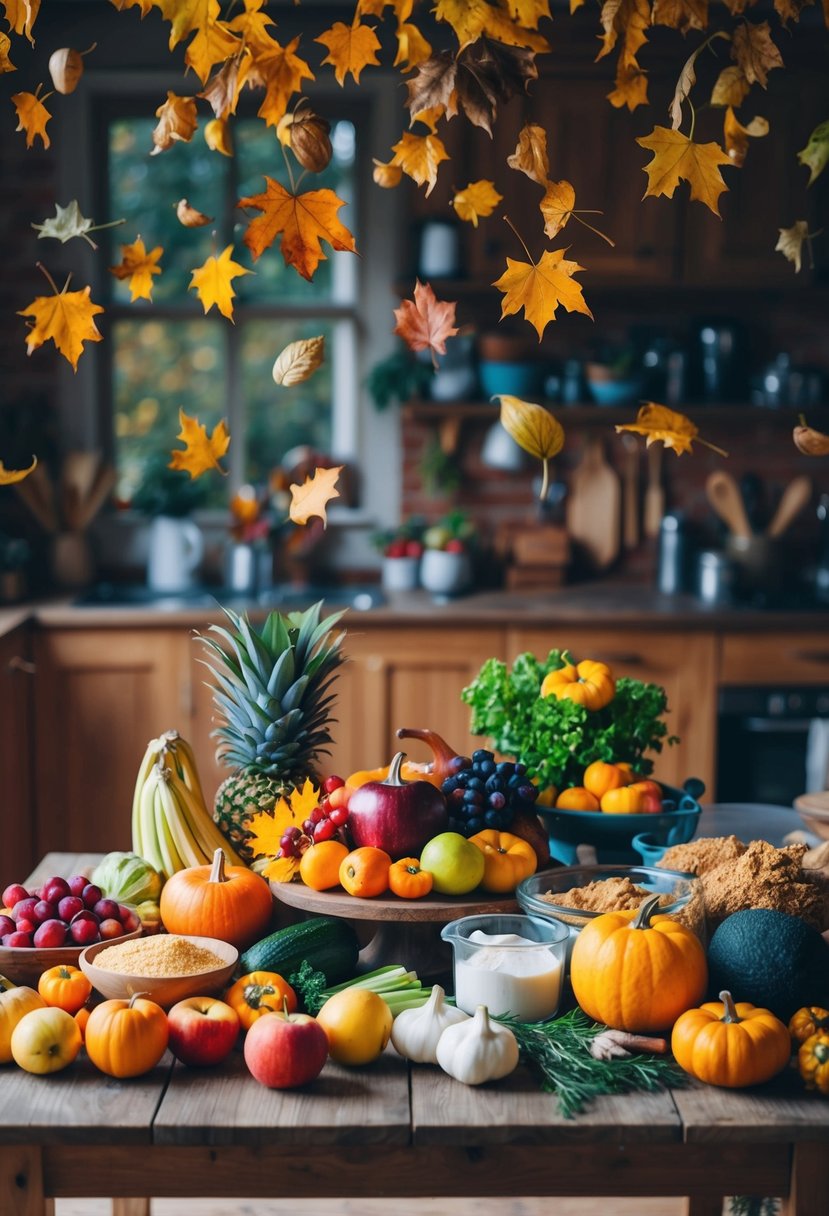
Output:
x=46 y=1040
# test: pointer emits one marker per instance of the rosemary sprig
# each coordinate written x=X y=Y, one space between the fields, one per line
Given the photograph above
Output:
x=559 y=1052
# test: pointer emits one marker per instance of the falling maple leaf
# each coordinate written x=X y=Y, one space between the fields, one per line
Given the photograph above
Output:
x=816 y=152
x=138 y=266
x=32 y=117
x=224 y=88
x=312 y=496
x=9 y=477
x=213 y=43
x=419 y=156
x=730 y=87
x=736 y=136
x=535 y=430
x=66 y=319
x=213 y=281
x=557 y=207
x=488 y=74
x=412 y=47
x=426 y=322
x=791 y=240
x=477 y=200
x=530 y=155
x=282 y=73
x=201 y=453
x=662 y=425
x=430 y=89
x=67 y=222
x=528 y=13
x=187 y=16
x=675 y=158
x=304 y=220
x=189 y=216
x=6 y=64
x=682 y=15
x=21 y=16
x=350 y=48
x=298 y=361
x=176 y=121
x=631 y=86
x=754 y=51
x=540 y=287
x=472 y=19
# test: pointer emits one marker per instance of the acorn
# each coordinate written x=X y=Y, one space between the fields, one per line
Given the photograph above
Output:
x=66 y=68
x=307 y=134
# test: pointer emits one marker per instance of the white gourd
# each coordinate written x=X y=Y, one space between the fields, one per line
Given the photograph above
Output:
x=478 y=1050
x=416 y=1032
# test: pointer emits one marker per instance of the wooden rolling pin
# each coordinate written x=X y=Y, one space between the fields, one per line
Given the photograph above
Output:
x=725 y=497
x=793 y=499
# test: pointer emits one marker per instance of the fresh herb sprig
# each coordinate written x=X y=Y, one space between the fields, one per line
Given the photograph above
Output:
x=558 y=739
x=559 y=1052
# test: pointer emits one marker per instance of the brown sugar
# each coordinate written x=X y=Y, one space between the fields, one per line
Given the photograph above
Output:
x=763 y=877
x=603 y=895
x=160 y=956
x=700 y=856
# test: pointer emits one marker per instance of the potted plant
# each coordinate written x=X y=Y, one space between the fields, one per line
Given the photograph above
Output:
x=401 y=549
x=176 y=545
x=446 y=566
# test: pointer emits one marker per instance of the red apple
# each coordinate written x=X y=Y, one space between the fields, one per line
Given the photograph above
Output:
x=203 y=1030
x=283 y=1052
x=652 y=796
x=13 y=894
x=55 y=890
x=395 y=815
x=70 y=906
x=51 y=934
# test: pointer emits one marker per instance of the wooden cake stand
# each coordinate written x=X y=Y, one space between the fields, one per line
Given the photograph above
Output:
x=403 y=931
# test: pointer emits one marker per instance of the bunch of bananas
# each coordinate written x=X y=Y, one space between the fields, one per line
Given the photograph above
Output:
x=171 y=826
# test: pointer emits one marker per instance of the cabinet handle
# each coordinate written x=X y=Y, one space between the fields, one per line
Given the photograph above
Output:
x=631 y=660
x=811 y=656
x=18 y=664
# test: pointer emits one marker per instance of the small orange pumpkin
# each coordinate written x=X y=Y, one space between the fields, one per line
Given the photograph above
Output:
x=730 y=1044
x=813 y=1061
x=126 y=1038
x=507 y=859
x=230 y=903
x=809 y=1020
x=407 y=880
x=65 y=987
x=258 y=993
x=588 y=683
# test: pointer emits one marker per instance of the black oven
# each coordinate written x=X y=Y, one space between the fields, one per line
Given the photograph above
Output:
x=772 y=743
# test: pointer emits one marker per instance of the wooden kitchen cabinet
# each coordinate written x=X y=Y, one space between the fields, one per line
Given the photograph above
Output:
x=770 y=659
x=684 y=664
x=102 y=694
x=17 y=672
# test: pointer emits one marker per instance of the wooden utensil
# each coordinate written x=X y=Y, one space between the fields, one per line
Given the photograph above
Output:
x=794 y=498
x=654 y=492
x=594 y=506
x=724 y=496
x=101 y=488
x=630 y=492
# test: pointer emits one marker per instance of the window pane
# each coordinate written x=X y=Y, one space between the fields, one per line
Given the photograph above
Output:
x=278 y=418
x=158 y=368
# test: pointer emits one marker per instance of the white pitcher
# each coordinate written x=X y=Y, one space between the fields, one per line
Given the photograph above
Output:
x=176 y=549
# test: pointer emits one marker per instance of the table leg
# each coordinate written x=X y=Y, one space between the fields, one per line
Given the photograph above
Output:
x=130 y=1207
x=809 y=1194
x=21 y=1182
x=703 y=1205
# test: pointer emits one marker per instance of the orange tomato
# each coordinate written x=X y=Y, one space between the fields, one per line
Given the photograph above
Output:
x=577 y=798
x=599 y=777
x=407 y=880
x=627 y=800
x=319 y=868
x=64 y=987
x=365 y=872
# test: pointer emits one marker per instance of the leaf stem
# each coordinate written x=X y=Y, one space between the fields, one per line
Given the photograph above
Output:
x=520 y=238
x=693 y=119
x=545 y=479
x=288 y=167
x=604 y=237
x=50 y=280
x=712 y=446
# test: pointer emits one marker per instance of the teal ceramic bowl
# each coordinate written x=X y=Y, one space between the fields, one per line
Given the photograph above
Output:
x=515 y=379
x=612 y=836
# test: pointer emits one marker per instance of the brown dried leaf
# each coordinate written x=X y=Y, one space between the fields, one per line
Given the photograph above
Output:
x=425 y=322
x=730 y=87
x=431 y=87
x=176 y=121
x=682 y=15
x=489 y=73
x=790 y=244
x=736 y=136
x=753 y=49
x=530 y=155
x=809 y=441
x=6 y=64
x=189 y=216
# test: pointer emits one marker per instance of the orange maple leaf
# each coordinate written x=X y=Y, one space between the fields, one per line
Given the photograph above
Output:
x=185 y=16
x=138 y=266
x=176 y=121
x=32 y=117
x=304 y=220
x=419 y=156
x=677 y=157
x=213 y=43
x=8 y=477
x=478 y=199
x=350 y=48
x=281 y=71
x=659 y=424
x=66 y=318
x=540 y=287
x=311 y=497
x=426 y=322
x=530 y=155
x=200 y=453
x=412 y=47
x=6 y=64
x=21 y=16
x=213 y=282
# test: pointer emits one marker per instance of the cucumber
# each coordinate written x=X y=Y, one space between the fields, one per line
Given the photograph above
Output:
x=329 y=945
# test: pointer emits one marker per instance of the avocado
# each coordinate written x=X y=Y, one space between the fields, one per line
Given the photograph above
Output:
x=769 y=959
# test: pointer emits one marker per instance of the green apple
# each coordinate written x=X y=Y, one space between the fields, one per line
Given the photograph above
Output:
x=455 y=863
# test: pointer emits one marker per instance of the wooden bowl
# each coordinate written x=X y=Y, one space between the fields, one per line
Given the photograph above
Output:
x=26 y=965
x=164 y=990
x=813 y=809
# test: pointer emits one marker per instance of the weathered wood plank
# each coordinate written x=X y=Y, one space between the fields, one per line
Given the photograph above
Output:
x=781 y=1111
x=225 y=1106
x=80 y=1105
x=809 y=1195
x=21 y=1182
x=446 y=1112
x=573 y=1169
x=130 y=1207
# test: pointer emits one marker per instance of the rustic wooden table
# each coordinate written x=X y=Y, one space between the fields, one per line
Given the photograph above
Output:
x=391 y=1130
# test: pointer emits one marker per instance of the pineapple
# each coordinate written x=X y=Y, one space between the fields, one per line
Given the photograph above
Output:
x=272 y=688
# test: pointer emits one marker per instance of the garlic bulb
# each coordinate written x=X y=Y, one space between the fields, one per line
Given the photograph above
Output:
x=416 y=1032
x=478 y=1050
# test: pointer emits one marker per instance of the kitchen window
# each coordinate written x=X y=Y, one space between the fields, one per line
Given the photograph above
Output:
x=166 y=354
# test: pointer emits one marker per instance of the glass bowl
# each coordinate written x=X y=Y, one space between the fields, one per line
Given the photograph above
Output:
x=682 y=893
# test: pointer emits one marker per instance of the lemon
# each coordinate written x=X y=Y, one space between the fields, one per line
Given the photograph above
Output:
x=357 y=1023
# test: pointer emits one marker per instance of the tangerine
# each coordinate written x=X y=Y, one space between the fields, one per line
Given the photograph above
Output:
x=365 y=872
x=319 y=868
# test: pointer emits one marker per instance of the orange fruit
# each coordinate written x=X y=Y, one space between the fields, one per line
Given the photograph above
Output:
x=365 y=872
x=357 y=1023
x=599 y=777
x=577 y=798
x=319 y=868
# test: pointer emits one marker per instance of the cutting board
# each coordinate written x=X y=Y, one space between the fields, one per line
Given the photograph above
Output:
x=594 y=506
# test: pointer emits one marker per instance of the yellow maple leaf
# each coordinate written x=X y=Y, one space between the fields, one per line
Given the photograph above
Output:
x=253 y=25
x=350 y=48
x=6 y=64
x=677 y=157
x=631 y=86
x=32 y=117
x=311 y=497
x=412 y=47
x=730 y=87
x=185 y=16
x=213 y=44
x=530 y=155
x=21 y=16
x=304 y=220
x=8 y=477
x=477 y=200
x=419 y=156
x=557 y=206
x=528 y=12
x=471 y=19
x=630 y=18
x=201 y=453
x=66 y=319
x=138 y=266
x=540 y=287
x=176 y=121
x=213 y=281
x=662 y=425
x=736 y=136
x=266 y=832
x=282 y=73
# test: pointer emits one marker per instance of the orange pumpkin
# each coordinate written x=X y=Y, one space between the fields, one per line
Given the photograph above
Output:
x=507 y=859
x=65 y=988
x=588 y=683
x=258 y=993
x=723 y=1043
x=637 y=971
x=126 y=1038
x=230 y=903
x=407 y=880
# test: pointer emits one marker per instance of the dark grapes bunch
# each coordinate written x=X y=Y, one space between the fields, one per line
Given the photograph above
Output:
x=485 y=793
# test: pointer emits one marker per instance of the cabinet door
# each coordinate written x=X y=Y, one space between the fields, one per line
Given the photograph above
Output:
x=102 y=695
x=785 y=659
x=19 y=853
x=683 y=664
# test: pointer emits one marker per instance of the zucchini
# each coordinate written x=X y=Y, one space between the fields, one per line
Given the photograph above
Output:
x=327 y=944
